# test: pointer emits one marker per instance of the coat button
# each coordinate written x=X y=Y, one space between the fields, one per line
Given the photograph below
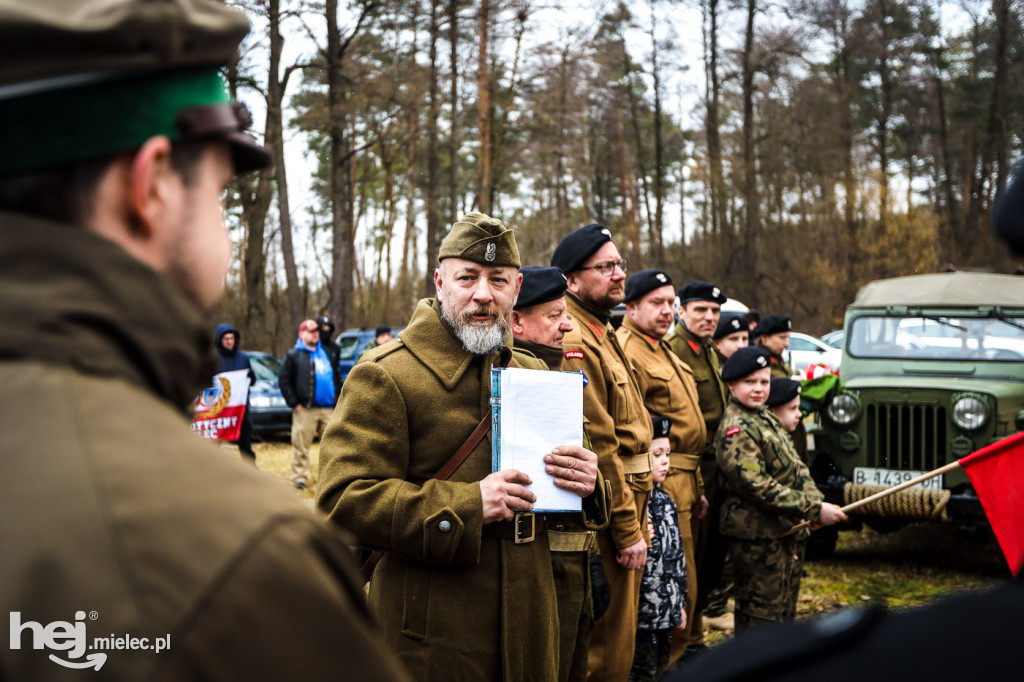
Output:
x=444 y=526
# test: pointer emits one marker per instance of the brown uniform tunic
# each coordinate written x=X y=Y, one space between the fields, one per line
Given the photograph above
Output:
x=620 y=431
x=699 y=355
x=669 y=391
x=454 y=602
x=112 y=506
x=573 y=538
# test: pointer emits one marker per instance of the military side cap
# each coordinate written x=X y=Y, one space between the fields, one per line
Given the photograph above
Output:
x=661 y=426
x=782 y=391
x=85 y=79
x=540 y=285
x=481 y=239
x=744 y=362
x=701 y=291
x=773 y=324
x=579 y=245
x=730 y=323
x=641 y=283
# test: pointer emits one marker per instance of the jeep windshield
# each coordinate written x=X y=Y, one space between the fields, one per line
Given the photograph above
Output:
x=937 y=337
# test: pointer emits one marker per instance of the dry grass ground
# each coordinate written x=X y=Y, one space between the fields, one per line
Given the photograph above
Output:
x=909 y=567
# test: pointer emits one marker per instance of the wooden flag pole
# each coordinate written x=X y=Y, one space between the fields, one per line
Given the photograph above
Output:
x=884 y=493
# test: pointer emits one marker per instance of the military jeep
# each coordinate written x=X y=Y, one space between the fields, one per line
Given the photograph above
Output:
x=933 y=369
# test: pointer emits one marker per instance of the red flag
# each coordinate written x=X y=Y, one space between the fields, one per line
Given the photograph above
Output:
x=997 y=474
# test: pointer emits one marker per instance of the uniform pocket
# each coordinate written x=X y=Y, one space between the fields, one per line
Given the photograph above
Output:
x=625 y=409
x=417 y=598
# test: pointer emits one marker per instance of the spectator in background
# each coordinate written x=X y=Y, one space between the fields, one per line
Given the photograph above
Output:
x=381 y=336
x=327 y=339
x=753 y=319
x=226 y=343
x=310 y=383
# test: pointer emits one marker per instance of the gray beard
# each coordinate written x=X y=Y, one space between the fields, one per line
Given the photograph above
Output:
x=477 y=339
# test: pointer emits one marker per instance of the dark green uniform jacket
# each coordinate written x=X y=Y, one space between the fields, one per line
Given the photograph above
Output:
x=113 y=507
x=699 y=355
x=768 y=489
x=454 y=605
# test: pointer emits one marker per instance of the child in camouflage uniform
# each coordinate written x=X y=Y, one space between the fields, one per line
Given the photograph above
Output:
x=768 y=490
x=663 y=588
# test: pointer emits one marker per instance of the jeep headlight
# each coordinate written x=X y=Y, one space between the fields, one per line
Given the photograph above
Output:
x=843 y=408
x=969 y=413
x=260 y=402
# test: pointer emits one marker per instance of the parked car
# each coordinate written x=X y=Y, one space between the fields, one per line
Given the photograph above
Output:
x=353 y=343
x=932 y=371
x=805 y=350
x=834 y=338
x=267 y=408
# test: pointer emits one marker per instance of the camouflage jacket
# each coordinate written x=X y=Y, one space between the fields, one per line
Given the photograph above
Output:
x=663 y=590
x=768 y=489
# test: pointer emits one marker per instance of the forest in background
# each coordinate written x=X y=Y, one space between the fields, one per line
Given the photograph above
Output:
x=827 y=143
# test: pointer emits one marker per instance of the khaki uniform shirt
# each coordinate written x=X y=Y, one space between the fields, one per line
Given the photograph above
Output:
x=113 y=507
x=669 y=390
x=699 y=355
x=768 y=489
x=620 y=428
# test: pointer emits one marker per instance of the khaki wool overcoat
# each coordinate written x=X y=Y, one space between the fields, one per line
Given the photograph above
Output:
x=453 y=604
x=112 y=507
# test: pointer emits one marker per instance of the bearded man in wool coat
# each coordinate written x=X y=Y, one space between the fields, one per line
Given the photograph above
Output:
x=464 y=590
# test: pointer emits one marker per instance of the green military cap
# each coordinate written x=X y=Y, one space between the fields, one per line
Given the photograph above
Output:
x=481 y=239
x=88 y=78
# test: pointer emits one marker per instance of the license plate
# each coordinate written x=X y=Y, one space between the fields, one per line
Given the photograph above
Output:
x=891 y=477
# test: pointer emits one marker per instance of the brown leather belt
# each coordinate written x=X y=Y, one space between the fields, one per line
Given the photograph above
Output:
x=637 y=464
x=685 y=462
x=523 y=528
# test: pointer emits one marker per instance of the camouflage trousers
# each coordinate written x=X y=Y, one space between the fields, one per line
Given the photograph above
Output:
x=766 y=576
x=650 y=657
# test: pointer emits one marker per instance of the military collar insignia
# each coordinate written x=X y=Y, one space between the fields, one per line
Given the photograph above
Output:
x=760 y=360
x=491 y=252
x=694 y=346
x=597 y=330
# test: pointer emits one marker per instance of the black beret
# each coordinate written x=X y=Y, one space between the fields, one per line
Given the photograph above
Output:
x=730 y=323
x=579 y=245
x=661 y=426
x=744 y=362
x=701 y=291
x=773 y=324
x=540 y=285
x=641 y=283
x=782 y=391
x=382 y=329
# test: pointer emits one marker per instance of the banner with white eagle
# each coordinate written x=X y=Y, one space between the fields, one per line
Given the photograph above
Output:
x=220 y=408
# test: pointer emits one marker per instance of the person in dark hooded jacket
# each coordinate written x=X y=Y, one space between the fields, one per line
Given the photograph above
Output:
x=227 y=341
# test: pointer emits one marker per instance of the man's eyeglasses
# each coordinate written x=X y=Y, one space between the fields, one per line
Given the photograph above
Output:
x=608 y=268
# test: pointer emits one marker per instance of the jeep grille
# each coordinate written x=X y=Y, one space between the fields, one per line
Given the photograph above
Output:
x=906 y=436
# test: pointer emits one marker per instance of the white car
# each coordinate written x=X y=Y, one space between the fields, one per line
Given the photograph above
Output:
x=805 y=350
